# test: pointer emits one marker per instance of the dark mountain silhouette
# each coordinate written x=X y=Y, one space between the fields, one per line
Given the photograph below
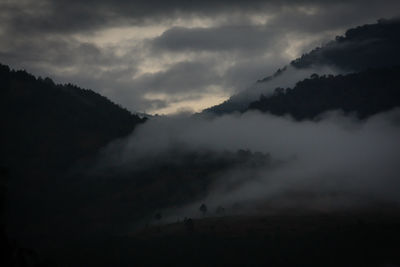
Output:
x=365 y=93
x=361 y=48
x=45 y=129
x=52 y=125
x=369 y=46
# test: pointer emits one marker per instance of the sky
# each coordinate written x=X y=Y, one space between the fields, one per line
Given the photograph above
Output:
x=165 y=57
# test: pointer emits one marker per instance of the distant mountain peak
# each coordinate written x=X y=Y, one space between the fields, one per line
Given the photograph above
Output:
x=360 y=48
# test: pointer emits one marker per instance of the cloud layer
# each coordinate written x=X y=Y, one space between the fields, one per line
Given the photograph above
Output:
x=159 y=56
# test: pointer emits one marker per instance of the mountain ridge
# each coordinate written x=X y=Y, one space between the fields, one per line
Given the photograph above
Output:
x=64 y=122
x=361 y=48
x=364 y=93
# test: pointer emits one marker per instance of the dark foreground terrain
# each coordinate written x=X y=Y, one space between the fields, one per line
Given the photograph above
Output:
x=365 y=239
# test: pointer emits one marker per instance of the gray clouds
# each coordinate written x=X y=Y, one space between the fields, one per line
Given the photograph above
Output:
x=215 y=39
x=130 y=50
x=75 y=16
x=72 y=16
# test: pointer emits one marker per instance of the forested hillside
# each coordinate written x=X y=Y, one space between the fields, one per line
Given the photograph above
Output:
x=365 y=47
x=52 y=125
x=365 y=94
x=368 y=46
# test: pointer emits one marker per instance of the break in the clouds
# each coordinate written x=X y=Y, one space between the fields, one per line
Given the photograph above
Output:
x=163 y=56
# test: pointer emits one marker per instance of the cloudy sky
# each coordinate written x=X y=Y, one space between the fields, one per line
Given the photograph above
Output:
x=165 y=56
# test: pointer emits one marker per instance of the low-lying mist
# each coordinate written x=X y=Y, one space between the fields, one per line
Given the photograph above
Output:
x=275 y=163
x=288 y=77
x=251 y=163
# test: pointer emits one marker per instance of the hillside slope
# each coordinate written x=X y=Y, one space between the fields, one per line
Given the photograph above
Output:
x=368 y=46
x=51 y=125
x=361 y=48
x=365 y=93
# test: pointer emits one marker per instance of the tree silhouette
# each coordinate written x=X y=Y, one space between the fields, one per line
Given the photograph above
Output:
x=203 y=209
x=158 y=216
x=189 y=224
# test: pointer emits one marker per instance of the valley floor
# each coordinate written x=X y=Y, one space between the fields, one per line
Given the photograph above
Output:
x=364 y=239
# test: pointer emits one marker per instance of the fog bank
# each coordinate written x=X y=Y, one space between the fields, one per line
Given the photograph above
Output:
x=333 y=163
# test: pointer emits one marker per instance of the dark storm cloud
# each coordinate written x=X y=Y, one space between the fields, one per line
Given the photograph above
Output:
x=242 y=36
x=215 y=39
x=76 y=16
x=54 y=50
x=72 y=16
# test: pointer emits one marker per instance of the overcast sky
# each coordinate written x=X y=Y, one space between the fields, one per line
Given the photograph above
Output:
x=164 y=56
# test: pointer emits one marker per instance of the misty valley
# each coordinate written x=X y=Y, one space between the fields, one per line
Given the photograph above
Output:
x=299 y=169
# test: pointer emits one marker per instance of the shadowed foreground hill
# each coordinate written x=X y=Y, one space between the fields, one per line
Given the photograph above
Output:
x=51 y=125
x=366 y=93
x=364 y=239
x=45 y=129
